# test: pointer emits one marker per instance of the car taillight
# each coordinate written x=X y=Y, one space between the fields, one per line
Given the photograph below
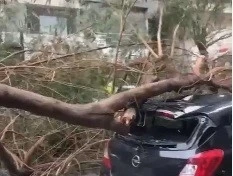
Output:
x=165 y=113
x=203 y=164
x=106 y=159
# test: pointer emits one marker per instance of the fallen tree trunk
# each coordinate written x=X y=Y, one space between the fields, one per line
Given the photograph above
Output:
x=95 y=115
x=99 y=114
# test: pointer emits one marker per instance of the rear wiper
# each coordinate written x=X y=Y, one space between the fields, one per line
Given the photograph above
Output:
x=161 y=143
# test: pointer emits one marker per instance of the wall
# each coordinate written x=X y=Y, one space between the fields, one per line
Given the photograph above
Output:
x=138 y=20
x=152 y=6
x=226 y=21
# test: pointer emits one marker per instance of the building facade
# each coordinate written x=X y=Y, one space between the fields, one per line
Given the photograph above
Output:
x=68 y=19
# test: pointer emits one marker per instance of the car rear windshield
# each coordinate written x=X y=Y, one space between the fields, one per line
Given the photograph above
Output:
x=166 y=129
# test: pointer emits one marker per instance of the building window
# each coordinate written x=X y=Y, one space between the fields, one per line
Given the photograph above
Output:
x=53 y=25
x=50 y=20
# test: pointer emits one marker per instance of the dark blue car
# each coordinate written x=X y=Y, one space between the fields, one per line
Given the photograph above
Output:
x=183 y=137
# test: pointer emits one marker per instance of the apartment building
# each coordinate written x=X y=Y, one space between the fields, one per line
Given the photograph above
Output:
x=64 y=18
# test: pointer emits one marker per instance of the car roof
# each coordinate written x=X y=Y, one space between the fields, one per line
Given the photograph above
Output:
x=217 y=106
x=208 y=99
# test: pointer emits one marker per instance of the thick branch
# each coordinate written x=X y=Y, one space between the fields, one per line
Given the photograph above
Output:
x=118 y=101
x=94 y=115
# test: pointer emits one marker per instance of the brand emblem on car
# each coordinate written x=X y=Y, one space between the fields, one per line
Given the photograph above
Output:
x=136 y=161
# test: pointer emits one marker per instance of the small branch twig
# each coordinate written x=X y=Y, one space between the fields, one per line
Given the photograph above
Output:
x=160 y=49
x=122 y=28
x=174 y=37
x=7 y=127
x=14 y=140
x=14 y=54
x=31 y=151
x=218 y=39
x=173 y=40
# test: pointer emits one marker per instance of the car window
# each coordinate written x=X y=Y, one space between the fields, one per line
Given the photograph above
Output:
x=163 y=128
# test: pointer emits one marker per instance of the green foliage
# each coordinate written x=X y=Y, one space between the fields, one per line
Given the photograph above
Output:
x=195 y=17
x=75 y=87
x=101 y=19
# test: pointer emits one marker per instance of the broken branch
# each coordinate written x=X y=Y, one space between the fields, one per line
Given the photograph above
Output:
x=9 y=163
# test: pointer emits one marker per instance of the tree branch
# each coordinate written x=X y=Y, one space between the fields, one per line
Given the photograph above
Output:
x=173 y=40
x=9 y=163
x=210 y=43
x=160 y=50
